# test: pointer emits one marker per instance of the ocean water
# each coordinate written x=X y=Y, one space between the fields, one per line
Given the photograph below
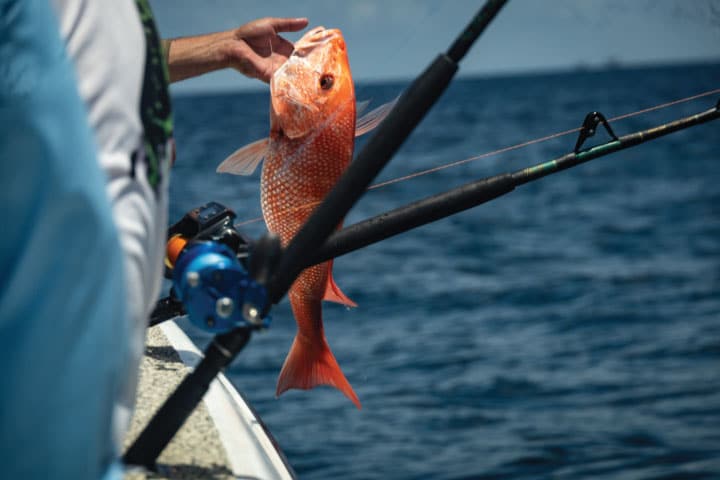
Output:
x=570 y=329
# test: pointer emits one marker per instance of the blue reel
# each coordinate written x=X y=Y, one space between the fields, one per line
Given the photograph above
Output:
x=217 y=291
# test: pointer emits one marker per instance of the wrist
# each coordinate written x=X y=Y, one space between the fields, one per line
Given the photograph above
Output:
x=224 y=50
x=193 y=56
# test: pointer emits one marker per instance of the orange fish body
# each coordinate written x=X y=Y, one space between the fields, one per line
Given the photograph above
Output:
x=312 y=130
x=297 y=174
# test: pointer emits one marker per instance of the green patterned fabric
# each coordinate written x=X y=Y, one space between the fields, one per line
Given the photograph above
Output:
x=155 y=109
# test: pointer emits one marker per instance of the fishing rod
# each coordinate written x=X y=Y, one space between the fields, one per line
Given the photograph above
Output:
x=431 y=209
x=276 y=269
x=475 y=193
x=218 y=225
x=383 y=226
x=377 y=152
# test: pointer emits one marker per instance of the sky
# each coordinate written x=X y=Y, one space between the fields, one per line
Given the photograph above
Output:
x=396 y=39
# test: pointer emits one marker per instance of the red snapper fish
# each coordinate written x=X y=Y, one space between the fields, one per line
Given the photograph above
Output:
x=312 y=130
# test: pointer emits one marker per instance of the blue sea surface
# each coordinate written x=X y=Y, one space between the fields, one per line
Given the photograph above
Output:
x=570 y=329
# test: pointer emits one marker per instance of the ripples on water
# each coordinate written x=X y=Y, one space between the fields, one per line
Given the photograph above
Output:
x=568 y=330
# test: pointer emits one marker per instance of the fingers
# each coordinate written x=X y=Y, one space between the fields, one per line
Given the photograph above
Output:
x=287 y=24
x=264 y=50
x=260 y=68
x=283 y=47
x=253 y=65
x=271 y=26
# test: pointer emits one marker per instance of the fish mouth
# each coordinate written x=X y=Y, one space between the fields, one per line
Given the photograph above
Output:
x=294 y=100
x=315 y=38
x=295 y=114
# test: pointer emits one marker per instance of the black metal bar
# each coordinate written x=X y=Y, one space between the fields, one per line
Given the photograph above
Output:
x=407 y=113
x=178 y=407
x=475 y=193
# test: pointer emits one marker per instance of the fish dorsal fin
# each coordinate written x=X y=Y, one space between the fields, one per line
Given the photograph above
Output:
x=373 y=118
x=246 y=159
x=361 y=107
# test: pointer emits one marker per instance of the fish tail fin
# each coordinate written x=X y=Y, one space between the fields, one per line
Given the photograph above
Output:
x=333 y=292
x=309 y=364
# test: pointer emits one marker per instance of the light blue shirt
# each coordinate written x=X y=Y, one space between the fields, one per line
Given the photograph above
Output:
x=63 y=325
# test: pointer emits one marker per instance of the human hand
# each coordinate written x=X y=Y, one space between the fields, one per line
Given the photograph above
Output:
x=256 y=50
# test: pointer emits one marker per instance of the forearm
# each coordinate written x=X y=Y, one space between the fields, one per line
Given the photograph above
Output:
x=192 y=56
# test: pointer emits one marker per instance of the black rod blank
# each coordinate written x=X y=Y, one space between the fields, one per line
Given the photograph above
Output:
x=412 y=216
x=474 y=29
x=392 y=132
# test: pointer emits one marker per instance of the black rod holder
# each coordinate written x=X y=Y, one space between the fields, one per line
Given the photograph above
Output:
x=177 y=408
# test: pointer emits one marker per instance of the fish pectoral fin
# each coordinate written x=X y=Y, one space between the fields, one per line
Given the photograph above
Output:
x=373 y=118
x=310 y=364
x=245 y=160
x=333 y=292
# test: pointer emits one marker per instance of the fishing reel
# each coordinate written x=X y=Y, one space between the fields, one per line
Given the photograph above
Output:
x=207 y=260
x=210 y=222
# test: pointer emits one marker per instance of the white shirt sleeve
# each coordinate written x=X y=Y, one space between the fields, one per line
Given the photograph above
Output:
x=106 y=42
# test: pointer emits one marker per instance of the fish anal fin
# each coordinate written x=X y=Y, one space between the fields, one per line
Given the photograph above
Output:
x=333 y=292
x=311 y=364
x=373 y=118
x=245 y=160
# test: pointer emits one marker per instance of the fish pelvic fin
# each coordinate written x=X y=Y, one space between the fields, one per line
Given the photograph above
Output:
x=245 y=160
x=373 y=118
x=311 y=364
x=333 y=292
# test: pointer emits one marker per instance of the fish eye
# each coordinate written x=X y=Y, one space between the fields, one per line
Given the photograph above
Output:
x=327 y=81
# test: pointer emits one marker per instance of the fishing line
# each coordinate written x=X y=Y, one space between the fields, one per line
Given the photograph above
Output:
x=507 y=149
x=538 y=140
